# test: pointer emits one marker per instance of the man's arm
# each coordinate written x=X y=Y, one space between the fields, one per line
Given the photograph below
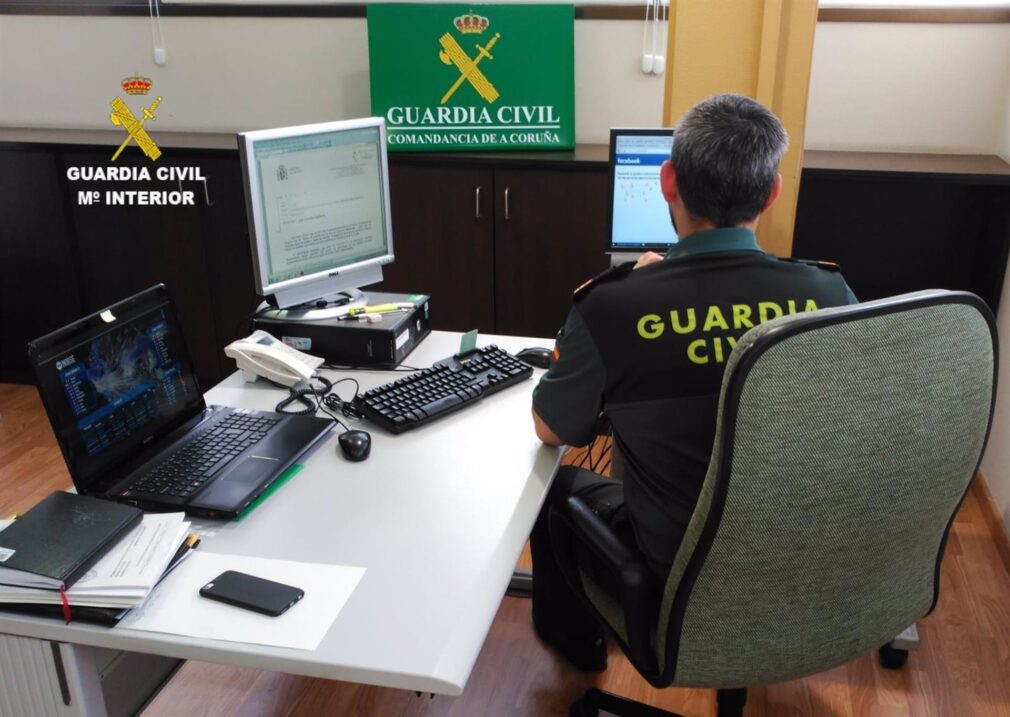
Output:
x=569 y=397
x=544 y=432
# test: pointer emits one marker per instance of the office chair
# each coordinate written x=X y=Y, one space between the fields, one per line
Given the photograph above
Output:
x=846 y=439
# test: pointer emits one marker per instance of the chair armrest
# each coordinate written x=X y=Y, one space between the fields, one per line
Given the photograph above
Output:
x=597 y=535
x=637 y=589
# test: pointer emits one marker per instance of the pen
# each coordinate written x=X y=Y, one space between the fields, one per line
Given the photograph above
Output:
x=191 y=541
x=376 y=309
x=379 y=308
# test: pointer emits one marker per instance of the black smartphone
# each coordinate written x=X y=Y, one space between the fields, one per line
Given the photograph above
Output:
x=252 y=593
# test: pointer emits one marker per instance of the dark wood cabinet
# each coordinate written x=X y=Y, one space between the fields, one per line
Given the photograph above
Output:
x=443 y=239
x=125 y=249
x=550 y=235
x=897 y=223
x=221 y=199
x=499 y=249
x=499 y=240
x=61 y=258
x=39 y=287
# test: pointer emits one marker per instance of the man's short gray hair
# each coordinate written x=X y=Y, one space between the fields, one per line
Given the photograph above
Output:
x=726 y=151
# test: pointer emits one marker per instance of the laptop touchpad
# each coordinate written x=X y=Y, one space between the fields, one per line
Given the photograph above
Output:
x=250 y=470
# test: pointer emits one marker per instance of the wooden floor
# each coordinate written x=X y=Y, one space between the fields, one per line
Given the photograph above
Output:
x=963 y=667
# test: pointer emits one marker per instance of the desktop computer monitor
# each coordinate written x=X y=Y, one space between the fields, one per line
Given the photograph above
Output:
x=317 y=198
x=639 y=215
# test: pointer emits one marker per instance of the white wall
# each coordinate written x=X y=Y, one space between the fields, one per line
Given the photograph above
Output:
x=996 y=463
x=1005 y=149
x=910 y=87
x=885 y=87
x=231 y=74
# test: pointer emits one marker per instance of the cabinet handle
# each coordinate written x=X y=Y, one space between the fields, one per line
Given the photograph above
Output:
x=206 y=194
x=508 y=214
x=476 y=203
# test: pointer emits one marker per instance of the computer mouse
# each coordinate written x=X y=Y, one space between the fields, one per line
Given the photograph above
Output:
x=536 y=356
x=355 y=445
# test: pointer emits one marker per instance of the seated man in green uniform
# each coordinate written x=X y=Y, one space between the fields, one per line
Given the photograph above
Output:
x=645 y=345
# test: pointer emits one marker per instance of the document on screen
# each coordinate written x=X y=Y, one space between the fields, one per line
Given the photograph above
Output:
x=323 y=209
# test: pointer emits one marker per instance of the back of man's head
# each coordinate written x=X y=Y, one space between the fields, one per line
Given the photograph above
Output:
x=726 y=153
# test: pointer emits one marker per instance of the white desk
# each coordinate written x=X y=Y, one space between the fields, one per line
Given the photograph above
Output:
x=438 y=517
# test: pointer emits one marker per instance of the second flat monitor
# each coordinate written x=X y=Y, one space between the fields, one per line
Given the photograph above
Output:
x=639 y=215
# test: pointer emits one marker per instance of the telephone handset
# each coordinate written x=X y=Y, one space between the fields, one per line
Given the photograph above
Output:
x=260 y=354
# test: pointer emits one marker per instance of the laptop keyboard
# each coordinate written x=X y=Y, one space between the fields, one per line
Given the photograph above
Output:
x=188 y=469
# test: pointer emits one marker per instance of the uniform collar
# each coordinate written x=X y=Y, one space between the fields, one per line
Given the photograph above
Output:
x=712 y=241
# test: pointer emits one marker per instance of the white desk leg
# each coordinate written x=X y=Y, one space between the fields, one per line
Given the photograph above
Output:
x=43 y=678
x=39 y=678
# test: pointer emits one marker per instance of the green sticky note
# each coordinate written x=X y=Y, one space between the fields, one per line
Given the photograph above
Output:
x=414 y=298
x=274 y=487
x=468 y=342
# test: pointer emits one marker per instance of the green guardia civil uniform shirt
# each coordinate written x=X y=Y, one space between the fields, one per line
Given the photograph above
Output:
x=647 y=348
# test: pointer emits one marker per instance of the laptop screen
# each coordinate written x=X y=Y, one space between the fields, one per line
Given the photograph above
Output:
x=115 y=382
x=639 y=215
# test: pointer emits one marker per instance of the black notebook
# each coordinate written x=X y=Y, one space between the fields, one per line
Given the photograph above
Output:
x=53 y=544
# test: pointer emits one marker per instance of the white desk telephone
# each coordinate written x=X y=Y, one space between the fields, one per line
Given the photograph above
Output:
x=260 y=354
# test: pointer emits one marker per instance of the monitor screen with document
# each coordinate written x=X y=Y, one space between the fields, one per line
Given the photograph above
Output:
x=639 y=215
x=318 y=206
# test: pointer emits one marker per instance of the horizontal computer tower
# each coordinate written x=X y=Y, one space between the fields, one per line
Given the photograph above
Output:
x=361 y=341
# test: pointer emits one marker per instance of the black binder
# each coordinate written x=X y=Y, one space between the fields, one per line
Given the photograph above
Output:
x=53 y=544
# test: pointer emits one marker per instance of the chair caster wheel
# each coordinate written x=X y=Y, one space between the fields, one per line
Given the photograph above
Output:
x=891 y=658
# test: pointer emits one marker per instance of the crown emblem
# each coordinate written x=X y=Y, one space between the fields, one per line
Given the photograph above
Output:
x=471 y=23
x=136 y=85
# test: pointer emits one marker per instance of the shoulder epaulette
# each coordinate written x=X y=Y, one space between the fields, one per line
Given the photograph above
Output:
x=614 y=272
x=826 y=265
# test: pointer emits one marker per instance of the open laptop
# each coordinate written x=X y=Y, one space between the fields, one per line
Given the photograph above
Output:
x=124 y=403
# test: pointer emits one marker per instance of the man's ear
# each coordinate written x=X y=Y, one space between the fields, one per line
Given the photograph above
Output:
x=774 y=193
x=668 y=181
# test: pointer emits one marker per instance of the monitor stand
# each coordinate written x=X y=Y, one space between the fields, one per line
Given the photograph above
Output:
x=328 y=307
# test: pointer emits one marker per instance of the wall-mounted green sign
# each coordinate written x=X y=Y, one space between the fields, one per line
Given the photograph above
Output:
x=473 y=77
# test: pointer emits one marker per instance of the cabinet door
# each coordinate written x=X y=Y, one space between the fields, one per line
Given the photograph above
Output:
x=39 y=291
x=443 y=237
x=550 y=236
x=124 y=249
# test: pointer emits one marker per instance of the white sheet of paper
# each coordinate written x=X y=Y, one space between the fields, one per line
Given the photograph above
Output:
x=176 y=607
x=138 y=560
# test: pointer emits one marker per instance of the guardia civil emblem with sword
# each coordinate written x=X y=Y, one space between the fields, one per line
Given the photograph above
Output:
x=452 y=54
x=122 y=116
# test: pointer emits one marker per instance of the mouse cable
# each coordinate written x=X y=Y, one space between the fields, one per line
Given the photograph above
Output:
x=321 y=407
x=334 y=402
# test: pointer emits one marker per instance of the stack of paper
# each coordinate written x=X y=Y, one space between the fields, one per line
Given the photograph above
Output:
x=125 y=576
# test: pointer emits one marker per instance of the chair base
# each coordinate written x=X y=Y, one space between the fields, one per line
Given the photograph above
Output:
x=729 y=704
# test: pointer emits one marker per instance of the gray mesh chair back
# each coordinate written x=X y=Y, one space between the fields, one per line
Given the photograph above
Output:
x=846 y=440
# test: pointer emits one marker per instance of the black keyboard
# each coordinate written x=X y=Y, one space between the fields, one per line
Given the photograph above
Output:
x=447 y=386
x=186 y=471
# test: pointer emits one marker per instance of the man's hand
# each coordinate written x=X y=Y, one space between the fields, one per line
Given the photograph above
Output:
x=649 y=257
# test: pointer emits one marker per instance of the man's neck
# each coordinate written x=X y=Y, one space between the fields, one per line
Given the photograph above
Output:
x=703 y=225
